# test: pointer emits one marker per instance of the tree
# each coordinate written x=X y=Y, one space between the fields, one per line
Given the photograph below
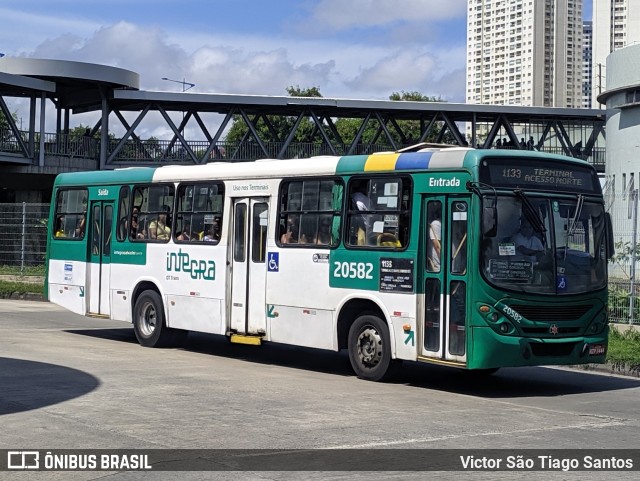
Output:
x=278 y=128
x=275 y=128
x=5 y=130
x=410 y=131
x=308 y=92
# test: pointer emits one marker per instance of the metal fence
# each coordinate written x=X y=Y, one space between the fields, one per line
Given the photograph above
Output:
x=624 y=305
x=23 y=235
x=23 y=240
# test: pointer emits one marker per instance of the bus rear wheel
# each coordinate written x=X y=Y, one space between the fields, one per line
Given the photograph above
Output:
x=370 y=348
x=148 y=321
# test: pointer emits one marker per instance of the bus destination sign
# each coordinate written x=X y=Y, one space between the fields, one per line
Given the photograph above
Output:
x=536 y=175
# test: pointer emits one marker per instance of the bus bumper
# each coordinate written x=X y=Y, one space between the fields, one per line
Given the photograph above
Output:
x=489 y=349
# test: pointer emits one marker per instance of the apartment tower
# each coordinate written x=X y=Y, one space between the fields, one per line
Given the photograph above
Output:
x=616 y=24
x=587 y=63
x=524 y=52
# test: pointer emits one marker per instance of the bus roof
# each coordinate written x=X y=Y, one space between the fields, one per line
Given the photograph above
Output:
x=423 y=159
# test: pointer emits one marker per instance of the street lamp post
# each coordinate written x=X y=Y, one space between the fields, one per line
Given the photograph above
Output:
x=185 y=85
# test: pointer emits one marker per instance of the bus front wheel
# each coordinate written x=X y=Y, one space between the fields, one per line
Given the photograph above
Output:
x=370 y=348
x=148 y=321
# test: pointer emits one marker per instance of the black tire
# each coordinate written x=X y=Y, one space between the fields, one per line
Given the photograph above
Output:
x=148 y=321
x=370 y=348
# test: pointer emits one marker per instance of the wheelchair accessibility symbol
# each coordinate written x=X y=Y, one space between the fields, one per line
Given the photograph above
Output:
x=562 y=283
x=273 y=263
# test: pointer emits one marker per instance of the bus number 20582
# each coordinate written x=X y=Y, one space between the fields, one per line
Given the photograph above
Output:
x=353 y=270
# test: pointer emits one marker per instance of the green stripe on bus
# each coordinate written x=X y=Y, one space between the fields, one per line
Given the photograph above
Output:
x=118 y=176
x=351 y=163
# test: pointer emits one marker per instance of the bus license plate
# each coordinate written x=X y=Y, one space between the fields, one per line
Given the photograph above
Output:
x=596 y=349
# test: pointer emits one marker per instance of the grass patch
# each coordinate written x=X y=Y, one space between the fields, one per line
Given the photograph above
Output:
x=28 y=271
x=9 y=289
x=624 y=350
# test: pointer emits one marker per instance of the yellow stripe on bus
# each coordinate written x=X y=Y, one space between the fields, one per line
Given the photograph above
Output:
x=381 y=162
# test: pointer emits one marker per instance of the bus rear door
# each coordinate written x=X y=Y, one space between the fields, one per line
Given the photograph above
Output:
x=248 y=262
x=445 y=279
x=99 y=258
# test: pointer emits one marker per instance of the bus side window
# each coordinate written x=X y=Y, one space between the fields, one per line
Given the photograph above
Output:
x=434 y=235
x=154 y=213
x=123 y=214
x=379 y=212
x=459 y=238
x=309 y=213
x=70 y=214
x=199 y=212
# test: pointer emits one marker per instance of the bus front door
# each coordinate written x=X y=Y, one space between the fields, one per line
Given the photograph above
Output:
x=444 y=325
x=100 y=224
x=248 y=262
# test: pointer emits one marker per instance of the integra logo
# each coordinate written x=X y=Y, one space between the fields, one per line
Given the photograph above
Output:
x=197 y=269
x=453 y=182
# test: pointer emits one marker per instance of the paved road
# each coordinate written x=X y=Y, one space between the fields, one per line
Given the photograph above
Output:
x=72 y=382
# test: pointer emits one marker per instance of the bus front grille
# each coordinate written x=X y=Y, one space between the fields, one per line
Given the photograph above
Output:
x=552 y=313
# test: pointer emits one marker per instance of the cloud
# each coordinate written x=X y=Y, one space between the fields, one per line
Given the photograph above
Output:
x=124 y=45
x=234 y=70
x=430 y=73
x=149 y=52
x=23 y=29
x=338 y=15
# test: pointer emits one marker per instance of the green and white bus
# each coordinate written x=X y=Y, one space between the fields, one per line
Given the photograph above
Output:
x=414 y=255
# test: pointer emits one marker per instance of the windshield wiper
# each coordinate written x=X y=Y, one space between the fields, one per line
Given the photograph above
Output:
x=530 y=212
x=574 y=220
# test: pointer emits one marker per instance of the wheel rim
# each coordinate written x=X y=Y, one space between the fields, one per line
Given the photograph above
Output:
x=369 y=347
x=148 y=319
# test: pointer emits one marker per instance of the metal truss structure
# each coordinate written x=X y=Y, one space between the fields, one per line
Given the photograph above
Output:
x=272 y=125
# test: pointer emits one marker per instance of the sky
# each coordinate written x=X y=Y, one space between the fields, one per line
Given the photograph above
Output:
x=362 y=49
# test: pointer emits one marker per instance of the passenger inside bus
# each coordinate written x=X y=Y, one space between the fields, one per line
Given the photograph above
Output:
x=185 y=235
x=361 y=223
x=79 y=231
x=435 y=235
x=324 y=232
x=158 y=229
x=59 y=232
x=387 y=239
x=213 y=231
x=527 y=243
x=290 y=236
x=137 y=229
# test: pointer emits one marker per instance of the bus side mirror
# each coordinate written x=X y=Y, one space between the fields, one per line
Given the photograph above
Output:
x=489 y=218
x=609 y=234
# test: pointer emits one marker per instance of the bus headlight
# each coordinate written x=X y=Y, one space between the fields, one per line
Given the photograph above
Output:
x=489 y=313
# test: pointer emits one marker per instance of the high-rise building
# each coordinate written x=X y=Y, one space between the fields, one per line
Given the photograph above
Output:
x=616 y=24
x=524 y=52
x=587 y=63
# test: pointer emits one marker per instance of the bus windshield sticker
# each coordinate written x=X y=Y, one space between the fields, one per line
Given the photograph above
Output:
x=391 y=189
x=507 y=249
x=511 y=270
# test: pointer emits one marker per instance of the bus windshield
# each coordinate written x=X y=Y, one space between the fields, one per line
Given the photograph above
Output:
x=546 y=246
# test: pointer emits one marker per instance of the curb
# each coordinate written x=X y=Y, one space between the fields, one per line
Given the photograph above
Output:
x=607 y=368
